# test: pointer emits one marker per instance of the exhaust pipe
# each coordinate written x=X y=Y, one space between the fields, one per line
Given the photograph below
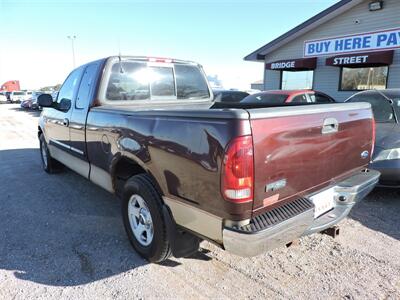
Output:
x=332 y=231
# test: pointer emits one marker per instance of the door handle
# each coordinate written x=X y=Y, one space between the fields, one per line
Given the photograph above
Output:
x=66 y=122
x=330 y=125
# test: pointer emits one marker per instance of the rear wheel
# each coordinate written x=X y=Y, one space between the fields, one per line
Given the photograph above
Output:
x=143 y=219
x=49 y=164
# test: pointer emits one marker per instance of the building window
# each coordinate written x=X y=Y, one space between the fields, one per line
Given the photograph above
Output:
x=297 y=80
x=357 y=79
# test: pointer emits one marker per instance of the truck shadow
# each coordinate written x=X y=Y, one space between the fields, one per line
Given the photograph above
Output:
x=31 y=112
x=59 y=229
x=380 y=211
x=62 y=230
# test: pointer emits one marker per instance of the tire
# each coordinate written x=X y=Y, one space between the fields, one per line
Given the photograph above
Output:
x=49 y=164
x=142 y=208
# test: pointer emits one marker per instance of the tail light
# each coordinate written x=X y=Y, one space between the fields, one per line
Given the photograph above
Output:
x=373 y=136
x=238 y=170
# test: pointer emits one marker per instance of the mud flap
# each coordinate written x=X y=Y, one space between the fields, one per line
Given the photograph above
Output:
x=182 y=243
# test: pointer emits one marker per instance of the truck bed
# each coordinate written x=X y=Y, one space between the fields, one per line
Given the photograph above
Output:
x=289 y=148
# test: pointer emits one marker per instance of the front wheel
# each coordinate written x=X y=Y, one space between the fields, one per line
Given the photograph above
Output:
x=49 y=164
x=143 y=219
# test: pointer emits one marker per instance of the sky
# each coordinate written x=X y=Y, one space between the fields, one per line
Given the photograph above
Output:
x=218 y=34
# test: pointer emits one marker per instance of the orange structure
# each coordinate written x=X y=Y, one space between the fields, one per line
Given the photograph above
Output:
x=11 y=85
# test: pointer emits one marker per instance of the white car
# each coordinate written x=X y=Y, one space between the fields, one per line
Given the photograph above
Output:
x=3 y=97
x=17 y=96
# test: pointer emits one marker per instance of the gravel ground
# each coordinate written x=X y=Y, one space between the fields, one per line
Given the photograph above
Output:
x=62 y=237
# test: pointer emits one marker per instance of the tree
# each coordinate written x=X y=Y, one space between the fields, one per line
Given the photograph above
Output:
x=50 y=88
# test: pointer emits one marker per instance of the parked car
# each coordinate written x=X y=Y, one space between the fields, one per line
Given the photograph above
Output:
x=3 y=97
x=17 y=96
x=26 y=103
x=247 y=179
x=34 y=98
x=288 y=96
x=31 y=102
x=386 y=107
x=230 y=96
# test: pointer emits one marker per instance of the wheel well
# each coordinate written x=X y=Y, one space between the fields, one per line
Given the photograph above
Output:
x=125 y=169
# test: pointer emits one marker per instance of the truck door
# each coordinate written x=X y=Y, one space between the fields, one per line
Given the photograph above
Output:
x=77 y=124
x=57 y=120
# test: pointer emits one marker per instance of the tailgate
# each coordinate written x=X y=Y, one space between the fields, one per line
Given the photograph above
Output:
x=302 y=149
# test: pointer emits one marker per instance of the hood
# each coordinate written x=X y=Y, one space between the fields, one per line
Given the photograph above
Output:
x=387 y=135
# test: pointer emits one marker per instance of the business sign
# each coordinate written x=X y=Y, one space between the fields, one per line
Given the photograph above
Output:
x=381 y=58
x=363 y=42
x=283 y=65
x=350 y=60
x=293 y=64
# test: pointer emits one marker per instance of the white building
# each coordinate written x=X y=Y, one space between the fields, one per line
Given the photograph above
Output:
x=351 y=46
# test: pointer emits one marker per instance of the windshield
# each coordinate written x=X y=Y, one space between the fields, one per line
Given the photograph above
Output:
x=265 y=98
x=19 y=93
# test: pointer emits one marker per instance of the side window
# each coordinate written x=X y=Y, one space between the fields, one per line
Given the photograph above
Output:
x=87 y=82
x=321 y=98
x=70 y=86
x=312 y=98
x=300 y=99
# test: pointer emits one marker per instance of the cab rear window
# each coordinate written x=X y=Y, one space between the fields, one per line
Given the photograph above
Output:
x=190 y=83
x=135 y=80
x=128 y=81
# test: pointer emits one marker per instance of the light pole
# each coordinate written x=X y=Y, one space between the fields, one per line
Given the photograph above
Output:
x=72 y=38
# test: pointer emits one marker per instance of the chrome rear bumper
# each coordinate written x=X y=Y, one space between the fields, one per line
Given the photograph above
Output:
x=346 y=194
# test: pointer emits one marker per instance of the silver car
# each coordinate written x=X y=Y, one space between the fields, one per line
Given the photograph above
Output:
x=386 y=158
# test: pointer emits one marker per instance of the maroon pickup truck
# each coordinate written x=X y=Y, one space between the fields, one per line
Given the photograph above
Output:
x=245 y=177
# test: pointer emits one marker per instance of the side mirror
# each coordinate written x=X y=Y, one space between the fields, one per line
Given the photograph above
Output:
x=45 y=100
x=64 y=104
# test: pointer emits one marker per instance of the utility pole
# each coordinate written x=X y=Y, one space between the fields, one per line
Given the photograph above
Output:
x=72 y=38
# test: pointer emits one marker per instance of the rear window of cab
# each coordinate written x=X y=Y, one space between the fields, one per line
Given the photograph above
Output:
x=131 y=80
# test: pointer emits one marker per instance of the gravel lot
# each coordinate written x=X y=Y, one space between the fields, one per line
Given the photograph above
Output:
x=62 y=237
